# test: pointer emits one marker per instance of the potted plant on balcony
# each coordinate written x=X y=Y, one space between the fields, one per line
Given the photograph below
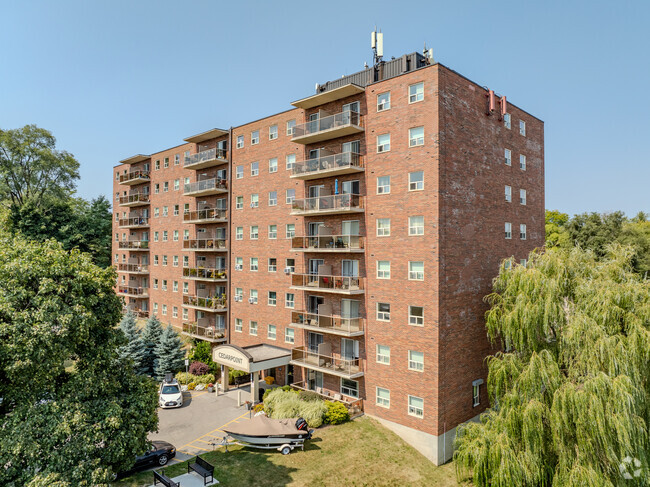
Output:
x=210 y=244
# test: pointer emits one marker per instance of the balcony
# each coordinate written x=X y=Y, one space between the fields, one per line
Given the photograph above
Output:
x=212 y=334
x=326 y=128
x=333 y=165
x=328 y=364
x=205 y=274
x=206 y=187
x=135 y=177
x=212 y=304
x=133 y=292
x=205 y=245
x=137 y=199
x=328 y=205
x=205 y=159
x=140 y=313
x=328 y=244
x=336 y=325
x=133 y=268
x=134 y=222
x=134 y=245
x=328 y=284
x=212 y=215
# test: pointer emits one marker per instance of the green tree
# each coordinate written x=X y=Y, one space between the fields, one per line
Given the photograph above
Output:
x=570 y=396
x=594 y=231
x=67 y=423
x=170 y=356
x=556 y=233
x=150 y=338
x=202 y=352
x=133 y=350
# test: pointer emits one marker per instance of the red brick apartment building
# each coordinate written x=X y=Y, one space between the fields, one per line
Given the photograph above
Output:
x=354 y=236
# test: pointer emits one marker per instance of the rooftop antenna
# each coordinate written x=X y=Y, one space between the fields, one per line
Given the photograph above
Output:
x=428 y=54
x=377 y=45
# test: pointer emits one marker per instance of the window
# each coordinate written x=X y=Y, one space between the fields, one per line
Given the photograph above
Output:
x=383 y=269
x=239 y=263
x=290 y=126
x=416 y=225
x=165 y=235
x=165 y=211
x=416 y=271
x=383 y=101
x=416 y=181
x=273 y=165
x=291 y=264
x=271 y=332
x=383 y=354
x=273 y=132
x=186 y=261
x=176 y=210
x=177 y=184
x=508 y=156
x=175 y=237
x=522 y=127
x=416 y=136
x=156 y=188
x=522 y=231
x=350 y=387
x=522 y=162
x=272 y=298
x=164 y=285
x=166 y=186
x=186 y=235
x=273 y=231
x=291 y=230
x=164 y=310
x=239 y=325
x=185 y=314
x=383 y=311
x=255 y=168
x=255 y=137
x=416 y=315
x=273 y=198
x=239 y=292
x=254 y=232
x=255 y=200
x=254 y=296
x=291 y=195
x=252 y=328
x=177 y=159
x=289 y=335
x=508 y=194
x=523 y=262
x=416 y=361
x=383 y=227
x=239 y=203
x=156 y=165
x=507 y=263
x=155 y=260
x=239 y=233
x=166 y=162
x=164 y=260
x=383 y=185
x=507 y=120
x=508 y=230
x=383 y=397
x=175 y=286
x=155 y=283
x=522 y=196
x=254 y=264
x=240 y=141
x=186 y=288
x=239 y=172
x=175 y=260
x=291 y=160
x=416 y=92
x=289 y=300
x=383 y=143
x=416 y=406
x=155 y=236
x=155 y=308
x=273 y=264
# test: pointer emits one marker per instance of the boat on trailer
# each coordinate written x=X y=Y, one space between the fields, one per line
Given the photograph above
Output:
x=264 y=432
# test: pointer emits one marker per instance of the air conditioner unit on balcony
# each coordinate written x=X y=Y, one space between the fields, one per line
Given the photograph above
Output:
x=287 y=270
x=252 y=300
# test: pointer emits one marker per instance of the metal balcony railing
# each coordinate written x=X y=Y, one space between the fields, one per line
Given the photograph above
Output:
x=335 y=364
x=143 y=176
x=134 y=198
x=325 y=323
x=205 y=156
x=142 y=268
x=210 y=332
x=206 y=185
x=341 y=243
x=327 y=123
x=343 y=284
x=205 y=215
x=133 y=291
x=205 y=273
x=328 y=204
x=140 y=313
x=214 y=303
x=137 y=221
x=134 y=244
x=336 y=162
x=217 y=244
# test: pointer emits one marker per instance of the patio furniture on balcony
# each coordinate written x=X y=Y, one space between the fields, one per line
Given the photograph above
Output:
x=209 y=215
x=328 y=205
x=135 y=177
x=328 y=243
x=205 y=159
x=331 y=165
x=349 y=368
x=206 y=187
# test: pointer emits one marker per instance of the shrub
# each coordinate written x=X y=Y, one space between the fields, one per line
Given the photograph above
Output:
x=258 y=407
x=336 y=413
x=204 y=379
x=191 y=386
x=283 y=404
x=199 y=368
x=233 y=374
x=313 y=412
x=309 y=396
x=185 y=378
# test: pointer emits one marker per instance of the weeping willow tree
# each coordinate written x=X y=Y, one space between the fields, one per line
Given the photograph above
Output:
x=570 y=393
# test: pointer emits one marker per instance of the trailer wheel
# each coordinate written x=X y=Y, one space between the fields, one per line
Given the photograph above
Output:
x=286 y=449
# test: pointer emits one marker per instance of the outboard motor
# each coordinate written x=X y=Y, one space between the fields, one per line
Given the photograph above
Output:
x=301 y=424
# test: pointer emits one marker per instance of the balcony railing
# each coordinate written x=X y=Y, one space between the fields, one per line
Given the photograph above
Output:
x=206 y=187
x=328 y=243
x=334 y=324
x=206 y=158
x=205 y=274
x=136 y=199
x=138 y=221
x=205 y=216
x=205 y=245
x=141 y=292
x=338 y=203
x=135 y=177
x=355 y=406
x=344 y=163
x=140 y=313
x=335 y=284
x=330 y=364
x=134 y=245
x=133 y=268
x=338 y=125
x=209 y=303
x=209 y=333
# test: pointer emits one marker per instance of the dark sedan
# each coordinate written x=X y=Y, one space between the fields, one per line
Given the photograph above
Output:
x=158 y=455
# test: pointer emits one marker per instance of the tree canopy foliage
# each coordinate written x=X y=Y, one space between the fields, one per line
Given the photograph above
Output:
x=70 y=411
x=570 y=394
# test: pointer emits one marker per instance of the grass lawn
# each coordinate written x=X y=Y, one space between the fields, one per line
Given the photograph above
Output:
x=358 y=453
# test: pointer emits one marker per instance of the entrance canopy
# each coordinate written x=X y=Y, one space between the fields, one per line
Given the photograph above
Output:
x=252 y=358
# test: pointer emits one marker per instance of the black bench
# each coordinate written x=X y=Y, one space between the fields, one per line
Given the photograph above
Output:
x=203 y=468
x=163 y=479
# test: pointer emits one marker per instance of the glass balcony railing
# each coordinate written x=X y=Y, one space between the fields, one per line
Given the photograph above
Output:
x=137 y=221
x=339 y=203
x=212 y=303
x=208 y=215
x=337 y=324
x=207 y=186
x=205 y=158
x=135 y=268
x=203 y=273
x=135 y=177
x=338 y=284
x=134 y=244
x=204 y=332
x=338 y=125
x=142 y=292
x=343 y=163
x=328 y=243
x=134 y=199
x=333 y=364
x=206 y=244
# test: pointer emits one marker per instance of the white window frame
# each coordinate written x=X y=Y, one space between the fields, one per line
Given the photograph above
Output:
x=345 y=388
x=507 y=121
x=254 y=232
x=273 y=233
x=523 y=233
x=416 y=275
x=239 y=233
x=522 y=197
x=240 y=142
x=272 y=301
x=416 y=185
x=239 y=325
x=255 y=200
x=383 y=146
x=507 y=154
x=415 y=411
x=252 y=328
x=273 y=132
x=508 y=230
x=382 y=315
x=255 y=137
x=522 y=162
x=508 y=194
x=383 y=188
x=289 y=337
x=415 y=320
x=273 y=167
x=273 y=201
x=416 y=230
x=384 y=105
x=290 y=303
x=383 y=274
x=254 y=264
x=290 y=233
x=255 y=168
x=418 y=139
x=239 y=172
x=383 y=232
x=415 y=365
x=291 y=124
x=418 y=94
x=289 y=199
x=522 y=128
x=383 y=358
x=380 y=401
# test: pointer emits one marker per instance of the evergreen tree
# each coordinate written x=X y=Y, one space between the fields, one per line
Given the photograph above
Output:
x=170 y=356
x=134 y=348
x=150 y=338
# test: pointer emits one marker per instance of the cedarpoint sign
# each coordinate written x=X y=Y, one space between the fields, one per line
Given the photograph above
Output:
x=230 y=358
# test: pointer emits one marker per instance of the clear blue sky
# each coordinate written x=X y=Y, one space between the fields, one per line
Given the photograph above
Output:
x=115 y=78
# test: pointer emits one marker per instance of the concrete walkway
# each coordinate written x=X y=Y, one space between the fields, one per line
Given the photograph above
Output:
x=190 y=480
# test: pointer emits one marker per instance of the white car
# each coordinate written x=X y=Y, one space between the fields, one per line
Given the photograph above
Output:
x=171 y=395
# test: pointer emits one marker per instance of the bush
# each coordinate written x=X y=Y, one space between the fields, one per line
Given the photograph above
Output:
x=336 y=413
x=199 y=368
x=283 y=404
x=284 y=388
x=185 y=378
x=233 y=374
x=309 y=396
x=191 y=386
x=313 y=412
x=258 y=407
x=205 y=379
